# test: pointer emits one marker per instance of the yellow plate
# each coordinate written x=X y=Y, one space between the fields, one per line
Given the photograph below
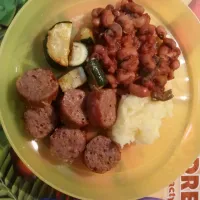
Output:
x=144 y=169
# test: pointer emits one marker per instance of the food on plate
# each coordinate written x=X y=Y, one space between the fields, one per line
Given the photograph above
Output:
x=78 y=55
x=136 y=55
x=38 y=87
x=67 y=144
x=101 y=154
x=72 y=79
x=160 y=96
x=101 y=108
x=57 y=44
x=139 y=120
x=86 y=36
x=112 y=91
x=96 y=76
x=40 y=122
x=72 y=108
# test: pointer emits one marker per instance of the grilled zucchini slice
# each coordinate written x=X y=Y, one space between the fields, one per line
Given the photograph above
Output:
x=72 y=79
x=86 y=36
x=79 y=54
x=57 y=44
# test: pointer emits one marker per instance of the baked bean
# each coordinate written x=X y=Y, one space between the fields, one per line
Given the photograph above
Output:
x=110 y=7
x=101 y=53
x=112 y=80
x=148 y=84
x=140 y=21
x=136 y=43
x=107 y=18
x=147 y=61
x=123 y=2
x=148 y=48
x=163 y=62
x=112 y=50
x=175 y=65
x=134 y=8
x=161 y=32
x=126 y=22
x=117 y=30
x=148 y=18
x=99 y=49
x=110 y=38
x=124 y=77
x=127 y=41
x=163 y=70
x=171 y=75
x=96 y=12
x=163 y=50
x=139 y=90
x=126 y=52
x=170 y=43
x=178 y=52
x=96 y=22
x=142 y=38
x=113 y=34
x=116 y=13
x=147 y=29
x=131 y=64
x=160 y=80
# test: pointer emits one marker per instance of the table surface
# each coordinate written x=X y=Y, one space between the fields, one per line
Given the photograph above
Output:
x=24 y=187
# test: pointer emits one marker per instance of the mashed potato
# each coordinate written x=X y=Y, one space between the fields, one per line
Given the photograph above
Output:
x=139 y=120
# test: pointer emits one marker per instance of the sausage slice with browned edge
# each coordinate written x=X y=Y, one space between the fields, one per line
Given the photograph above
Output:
x=40 y=122
x=67 y=144
x=38 y=87
x=101 y=154
x=101 y=108
x=72 y=108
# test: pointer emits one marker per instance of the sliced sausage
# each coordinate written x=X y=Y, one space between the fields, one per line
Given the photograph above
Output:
x=40 y=122
x=101 y=108
x=67 y=144
x=101 y=154
x=38 y=87
x=72 y=108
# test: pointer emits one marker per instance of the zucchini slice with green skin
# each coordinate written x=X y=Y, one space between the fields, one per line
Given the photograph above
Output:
x=86 y=36
x=57 y=44
x=96 y=76
x=72 y=79
x=79 y=54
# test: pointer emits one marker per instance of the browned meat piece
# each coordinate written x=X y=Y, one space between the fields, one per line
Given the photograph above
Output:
x=40 y=122
x=67 y=144
x=101 y=154
x=72 y=108
x=38 y=87
x=101 y=108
